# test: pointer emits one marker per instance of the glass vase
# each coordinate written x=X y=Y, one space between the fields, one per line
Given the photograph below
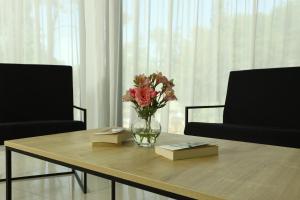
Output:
x=145 y=131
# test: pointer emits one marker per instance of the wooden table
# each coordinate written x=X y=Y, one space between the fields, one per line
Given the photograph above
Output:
x=240 y=171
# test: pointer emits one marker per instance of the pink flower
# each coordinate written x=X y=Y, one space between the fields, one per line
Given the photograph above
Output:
x=161 y=78
x=127 y=96
x=142 y=80
x=132 y=92
x=170 y=95
x=144 y=96
x=150 y=93
x=170 y=84
x=153 y=93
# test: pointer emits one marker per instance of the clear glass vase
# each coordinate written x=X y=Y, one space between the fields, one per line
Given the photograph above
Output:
x=145 y=131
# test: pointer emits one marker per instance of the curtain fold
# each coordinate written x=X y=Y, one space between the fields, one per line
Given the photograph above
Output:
x=103 y=74
x=198 y=42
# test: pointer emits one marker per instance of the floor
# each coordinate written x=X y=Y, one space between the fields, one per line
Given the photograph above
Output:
x=62 y=187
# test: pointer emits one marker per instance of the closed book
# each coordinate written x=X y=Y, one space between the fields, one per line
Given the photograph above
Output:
x=110 y=136
x=186 y=150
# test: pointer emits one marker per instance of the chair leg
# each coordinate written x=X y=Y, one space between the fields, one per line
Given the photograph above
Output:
x=8 y=173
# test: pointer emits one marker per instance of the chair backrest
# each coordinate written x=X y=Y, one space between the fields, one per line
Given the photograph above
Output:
x=35 y=92
x=264 y=97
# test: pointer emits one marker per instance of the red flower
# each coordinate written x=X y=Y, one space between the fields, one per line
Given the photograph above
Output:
x=144 y=96
x=132 y=92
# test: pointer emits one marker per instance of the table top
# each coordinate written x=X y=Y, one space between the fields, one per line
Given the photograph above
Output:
x=240 y=171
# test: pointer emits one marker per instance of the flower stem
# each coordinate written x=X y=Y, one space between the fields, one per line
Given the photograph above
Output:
x=148 y=128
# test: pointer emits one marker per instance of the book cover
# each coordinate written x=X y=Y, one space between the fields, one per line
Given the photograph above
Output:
x=186 y=150
x=110 y=135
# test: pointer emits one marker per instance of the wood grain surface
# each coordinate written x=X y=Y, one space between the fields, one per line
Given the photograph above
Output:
x=240 y=171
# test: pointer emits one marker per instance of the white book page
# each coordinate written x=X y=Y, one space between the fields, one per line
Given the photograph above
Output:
x=110 y=131
x=180 y=146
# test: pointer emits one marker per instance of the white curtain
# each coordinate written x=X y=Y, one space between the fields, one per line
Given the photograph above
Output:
x=84 y=34
x=103 y=75
x=198 y=42
x=44 y=32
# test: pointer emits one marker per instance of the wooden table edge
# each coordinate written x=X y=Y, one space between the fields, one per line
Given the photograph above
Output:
x=115 y=173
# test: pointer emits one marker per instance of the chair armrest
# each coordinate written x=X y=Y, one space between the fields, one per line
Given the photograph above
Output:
x=198 y=107
x=84 y=113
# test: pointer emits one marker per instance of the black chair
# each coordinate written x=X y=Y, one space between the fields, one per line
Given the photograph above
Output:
x=37 y=100
x=262 y=106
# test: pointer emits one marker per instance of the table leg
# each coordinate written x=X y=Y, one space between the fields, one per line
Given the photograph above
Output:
x=84 y=182
x=113 y=190
x=8 y=173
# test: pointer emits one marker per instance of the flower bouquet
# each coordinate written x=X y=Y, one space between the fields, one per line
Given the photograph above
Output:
x=149 y=94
